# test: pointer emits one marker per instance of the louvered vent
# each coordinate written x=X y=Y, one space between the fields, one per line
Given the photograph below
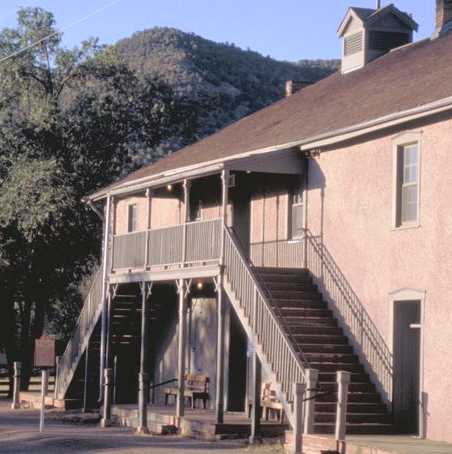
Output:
x=385 y=41
x=353 y=44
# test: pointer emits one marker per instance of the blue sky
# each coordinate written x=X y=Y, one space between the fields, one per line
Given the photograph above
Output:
x=286 y=30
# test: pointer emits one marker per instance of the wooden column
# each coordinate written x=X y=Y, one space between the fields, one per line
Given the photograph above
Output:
x=219 y=401
x=148 y=227
x=186 y=186
x=105 y=270
x=16 y=391
x=106 y=410
x=143 y=378
x=312 y=377
x=224 y=209
x=299 y=393
x=219 y=405
x=108 y=338
x=85 y=384
x=343 y=382
x=180 y=404
x=256 y=411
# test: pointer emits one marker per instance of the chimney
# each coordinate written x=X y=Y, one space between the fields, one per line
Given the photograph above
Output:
x=292 y=86
x=443 y=16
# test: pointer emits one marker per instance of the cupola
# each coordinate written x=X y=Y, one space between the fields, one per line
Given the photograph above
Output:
x=443 y=16
x=367 y=34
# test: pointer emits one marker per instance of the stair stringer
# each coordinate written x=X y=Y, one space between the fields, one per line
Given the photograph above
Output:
x=84 y=346
x=266 y=365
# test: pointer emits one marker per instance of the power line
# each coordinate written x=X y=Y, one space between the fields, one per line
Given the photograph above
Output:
x=51 y=35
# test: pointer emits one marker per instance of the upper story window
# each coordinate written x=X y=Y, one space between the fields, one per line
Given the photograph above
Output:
x=196 y=209
x=297 y=213
x=132 y=218
x=407 y=184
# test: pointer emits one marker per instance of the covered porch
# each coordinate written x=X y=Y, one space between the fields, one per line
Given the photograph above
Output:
x=172 y=235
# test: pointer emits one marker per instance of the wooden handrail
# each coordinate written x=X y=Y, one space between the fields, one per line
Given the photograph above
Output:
x=76 y=346
x=270 y=335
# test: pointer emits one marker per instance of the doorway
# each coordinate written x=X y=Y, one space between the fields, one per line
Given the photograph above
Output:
x=407 y=365
x=237 y=365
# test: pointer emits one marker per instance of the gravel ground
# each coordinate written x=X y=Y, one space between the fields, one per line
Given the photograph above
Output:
x=19 y=434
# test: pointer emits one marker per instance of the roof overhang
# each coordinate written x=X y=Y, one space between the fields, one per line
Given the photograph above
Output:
x=283 y=160
x=265 y=158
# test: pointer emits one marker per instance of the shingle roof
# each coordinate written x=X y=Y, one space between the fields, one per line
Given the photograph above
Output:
x=363 y=13
x=403 y=79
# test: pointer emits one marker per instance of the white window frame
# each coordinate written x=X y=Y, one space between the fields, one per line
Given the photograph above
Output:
x=399 y=141
x=129 y=206
x=291 y=204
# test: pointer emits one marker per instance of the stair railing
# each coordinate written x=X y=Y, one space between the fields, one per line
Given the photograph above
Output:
x=76 y=346
x=372 y=347
x=285 y=362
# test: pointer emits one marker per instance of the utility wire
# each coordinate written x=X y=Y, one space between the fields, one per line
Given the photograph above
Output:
x=51 y=35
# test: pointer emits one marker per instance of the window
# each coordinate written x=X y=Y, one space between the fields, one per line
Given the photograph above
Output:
x=297 y=213
x=132 y=218
x=196 y=210
x=353 y=44
x=407 y=184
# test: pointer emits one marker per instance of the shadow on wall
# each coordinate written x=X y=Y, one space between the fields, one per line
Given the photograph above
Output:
x=353 y=316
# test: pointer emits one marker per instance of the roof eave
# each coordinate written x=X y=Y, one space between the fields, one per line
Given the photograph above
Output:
x=327 y=139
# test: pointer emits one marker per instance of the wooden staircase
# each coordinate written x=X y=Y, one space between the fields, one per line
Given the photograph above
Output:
x=125 y=345
x=313 y=329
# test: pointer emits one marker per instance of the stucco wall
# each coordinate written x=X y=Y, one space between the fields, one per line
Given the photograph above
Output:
x=350 y=202
x=121 y=213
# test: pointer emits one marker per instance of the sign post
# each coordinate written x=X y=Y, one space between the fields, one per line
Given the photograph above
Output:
x=44 y=385
x=44 y=359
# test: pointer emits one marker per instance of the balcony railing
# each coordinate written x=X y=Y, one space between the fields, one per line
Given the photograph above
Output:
x=181 y=245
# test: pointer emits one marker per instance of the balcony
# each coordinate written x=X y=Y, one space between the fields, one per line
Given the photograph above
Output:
x=185 y=246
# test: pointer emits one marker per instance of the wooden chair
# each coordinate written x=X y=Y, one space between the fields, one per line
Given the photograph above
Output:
x=269 y=404
x=196 y=388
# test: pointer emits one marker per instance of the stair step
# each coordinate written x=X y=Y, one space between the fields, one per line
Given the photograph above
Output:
x=298 y=304
x=330 y=377
x=310 y=321
x=301 y=312
x=357 y=429
x=355 y=418
x=331 y=357
x=325 y=348
x=320 y=339
x=352 y=407
x=277 y=284
x=287 y=294
x=334 y=367
x=361 y=398
x=353 y=387
x=323 y=330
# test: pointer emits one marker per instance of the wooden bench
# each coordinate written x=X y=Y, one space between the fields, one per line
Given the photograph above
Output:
x=269 y=404
x=196 y=388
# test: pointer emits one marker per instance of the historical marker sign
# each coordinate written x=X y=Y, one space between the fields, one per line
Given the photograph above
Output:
x=45 y=352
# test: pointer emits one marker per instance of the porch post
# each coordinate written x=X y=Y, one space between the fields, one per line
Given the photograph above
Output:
x=219 y=406
x=256 y=399
x=224 y=209
x=186 y=186
x=148 y=227
x=105 y=268
x=143 y=379
x=109 y=334
x=180 y=404
x=85 y=385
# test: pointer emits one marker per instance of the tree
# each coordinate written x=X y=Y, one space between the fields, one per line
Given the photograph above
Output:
x=71 y=121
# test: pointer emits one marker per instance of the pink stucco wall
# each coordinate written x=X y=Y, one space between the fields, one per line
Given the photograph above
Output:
x=350 y=203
